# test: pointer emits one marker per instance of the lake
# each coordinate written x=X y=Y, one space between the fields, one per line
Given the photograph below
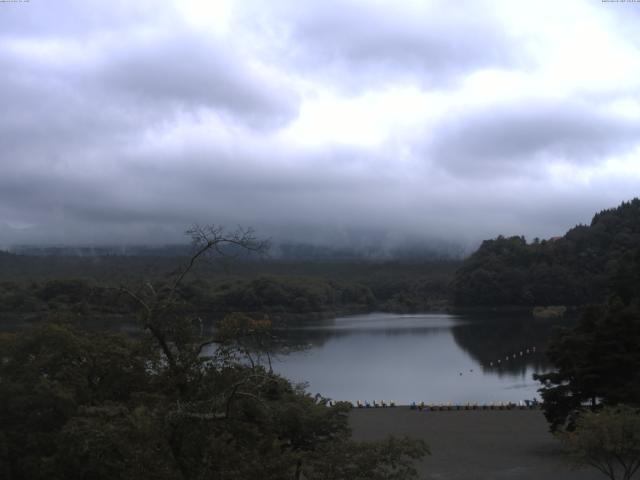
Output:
x=435 y=358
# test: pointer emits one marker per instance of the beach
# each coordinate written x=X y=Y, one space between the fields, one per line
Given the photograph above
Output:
x=475 y=444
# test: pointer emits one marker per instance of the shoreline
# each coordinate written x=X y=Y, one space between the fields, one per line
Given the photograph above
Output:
x=450 y=407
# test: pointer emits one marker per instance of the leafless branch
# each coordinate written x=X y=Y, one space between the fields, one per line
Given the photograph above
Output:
x=206 y=343
x=207 y=238
x=139 y=300
x=157 y=303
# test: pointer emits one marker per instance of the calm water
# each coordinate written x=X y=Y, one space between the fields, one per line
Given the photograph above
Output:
x=435 y=358
x=429 y=357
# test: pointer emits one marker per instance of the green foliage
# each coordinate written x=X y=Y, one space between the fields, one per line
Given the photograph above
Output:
x=168 y=404
x=316 y=289
x=47 y=374
x=608 y=440
x=571 y=270
x=598 y=361
x=90 y=405
x=71 y=290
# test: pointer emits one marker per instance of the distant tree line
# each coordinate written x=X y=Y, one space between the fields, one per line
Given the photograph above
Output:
x=571 y=270
x=395 y=289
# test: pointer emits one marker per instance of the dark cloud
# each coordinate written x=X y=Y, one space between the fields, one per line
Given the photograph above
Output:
x=123 y=123
x=520 y=138
x=358 y=44
x=316 y=200
x=105 y=60
x=195 y=72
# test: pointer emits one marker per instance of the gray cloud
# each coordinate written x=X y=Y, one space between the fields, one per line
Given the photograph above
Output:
x=519 y=138
x=75 y=18
x=315 y=202
x=189 y=70
x=122 y=123
x=357 y=44
x=106 y=60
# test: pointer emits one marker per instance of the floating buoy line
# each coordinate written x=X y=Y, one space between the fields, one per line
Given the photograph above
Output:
x=522 y=353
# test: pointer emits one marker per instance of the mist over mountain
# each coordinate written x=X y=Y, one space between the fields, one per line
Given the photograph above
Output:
x=435 y=250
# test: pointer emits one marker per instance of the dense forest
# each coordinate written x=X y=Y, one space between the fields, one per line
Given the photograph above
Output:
x=575 y=269
x=100 y=405
x=39 y=285
x=597 y=362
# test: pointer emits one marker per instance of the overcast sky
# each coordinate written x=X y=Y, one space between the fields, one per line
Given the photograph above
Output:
x=126 y=121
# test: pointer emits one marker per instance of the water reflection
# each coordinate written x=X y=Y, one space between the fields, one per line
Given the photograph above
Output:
x=317 y=332
x=507 y=345
x=433 y=358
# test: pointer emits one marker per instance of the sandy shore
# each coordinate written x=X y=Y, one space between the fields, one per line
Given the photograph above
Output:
x=475 y=445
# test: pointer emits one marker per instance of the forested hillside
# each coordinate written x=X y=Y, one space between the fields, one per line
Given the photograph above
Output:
x=575 y=269
x=37 y=286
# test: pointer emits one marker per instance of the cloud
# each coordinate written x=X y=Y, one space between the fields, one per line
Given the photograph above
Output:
x=324 y=121
x=520 y=138
x=138 y=61
x=76 y=18
x=357 y=44
x=195 y=72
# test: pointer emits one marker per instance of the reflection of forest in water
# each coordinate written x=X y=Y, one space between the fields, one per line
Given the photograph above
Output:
x=507 y=344
x=492 y=339
x=301 y=334
x=486 y=338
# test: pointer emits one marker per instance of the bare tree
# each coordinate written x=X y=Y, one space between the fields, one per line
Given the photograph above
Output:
x=157 y=304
